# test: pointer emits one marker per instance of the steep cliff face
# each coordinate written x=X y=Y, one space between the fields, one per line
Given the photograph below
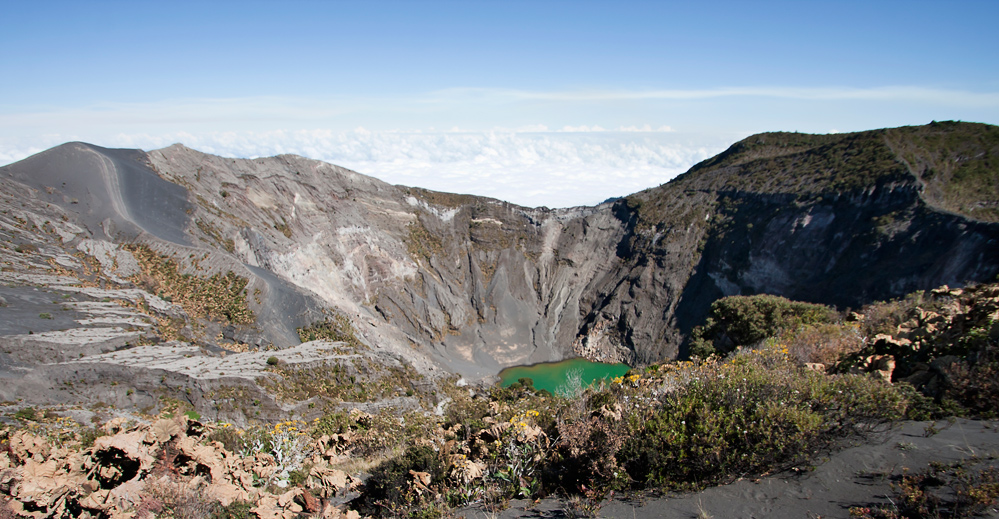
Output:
x=832 y=219
x=473 y=284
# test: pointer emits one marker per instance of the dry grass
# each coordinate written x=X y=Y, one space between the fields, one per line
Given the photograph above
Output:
x=823 y=343
x=358 y=465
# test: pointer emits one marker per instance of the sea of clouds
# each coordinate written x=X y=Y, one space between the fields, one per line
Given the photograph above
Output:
x=529 y=166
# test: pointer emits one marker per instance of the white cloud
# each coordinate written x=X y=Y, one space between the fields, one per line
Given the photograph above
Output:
x=555 y=169
x=583 y=128
x=554 y=148
x=647 y=128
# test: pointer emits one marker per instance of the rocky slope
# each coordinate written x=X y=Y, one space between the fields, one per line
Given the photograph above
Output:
x=228 y=258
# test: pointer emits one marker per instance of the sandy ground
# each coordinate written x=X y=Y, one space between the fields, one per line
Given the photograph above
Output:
x=856 y=476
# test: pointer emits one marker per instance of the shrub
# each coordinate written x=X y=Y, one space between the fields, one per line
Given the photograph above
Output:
x=88 y=435
x=976 y=386
x=335 y=328
x=945 y=343
x=589 y=441
x=961 y=489
x=753 y=414
x=181 y=500
x=822 y=343
x=331 y=423
x=745 y=320
x=228 y=436
x=272 y=361
x=390 y=481
x=27 y=413
x=235 y=510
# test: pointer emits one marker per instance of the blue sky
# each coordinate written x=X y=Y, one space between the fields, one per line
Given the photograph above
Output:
x=540 y=103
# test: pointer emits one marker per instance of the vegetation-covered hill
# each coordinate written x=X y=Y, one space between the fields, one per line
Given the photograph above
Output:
x=840 y=219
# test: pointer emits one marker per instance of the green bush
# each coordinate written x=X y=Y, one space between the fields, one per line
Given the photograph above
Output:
x=390 y=481
x=745 y=320
x=751 y=415
x=235 y=510
x=27 y=413
x=331 y=423
x=90 y=434
x=335 y=328
x=229 y=437
x=272 y=361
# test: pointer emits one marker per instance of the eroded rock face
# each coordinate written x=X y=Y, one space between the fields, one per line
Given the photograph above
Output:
x=470 y=284
x=473 y=283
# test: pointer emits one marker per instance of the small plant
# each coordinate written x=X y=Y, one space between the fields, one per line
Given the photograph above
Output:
x=235 y=510
x=45 y=315
x=335 y=328
x=962 y=489
x=272 y=361
x=88 y=435
x=26 y=414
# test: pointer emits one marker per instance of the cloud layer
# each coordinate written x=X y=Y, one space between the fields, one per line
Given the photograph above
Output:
x=566 y=167
x=553 y=148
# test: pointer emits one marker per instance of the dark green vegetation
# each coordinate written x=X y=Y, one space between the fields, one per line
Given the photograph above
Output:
x=751 y=415
x=746 y=320
x=555 y=376
x=958 y=163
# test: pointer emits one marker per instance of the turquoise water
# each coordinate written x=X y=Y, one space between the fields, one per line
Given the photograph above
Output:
x=553 y=375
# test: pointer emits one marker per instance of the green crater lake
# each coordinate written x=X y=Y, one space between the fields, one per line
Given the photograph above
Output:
x=552 y=375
